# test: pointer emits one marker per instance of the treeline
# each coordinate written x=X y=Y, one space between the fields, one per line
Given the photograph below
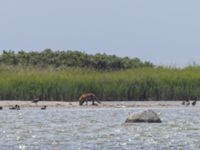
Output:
x=17 y=83
x=65 y=59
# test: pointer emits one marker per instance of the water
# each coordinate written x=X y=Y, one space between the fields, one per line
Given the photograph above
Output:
x=83 y=129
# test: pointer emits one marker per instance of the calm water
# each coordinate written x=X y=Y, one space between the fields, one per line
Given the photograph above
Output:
x=97 y=129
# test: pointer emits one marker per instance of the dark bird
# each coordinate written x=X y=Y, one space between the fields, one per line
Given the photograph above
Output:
x=1 y=107
x=44 y=107
x=194 y=102
x=17 y=107
x=187 y=103
x=36 y=100
x=183 y=103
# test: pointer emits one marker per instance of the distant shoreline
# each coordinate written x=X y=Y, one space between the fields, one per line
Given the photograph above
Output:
x=105 y=104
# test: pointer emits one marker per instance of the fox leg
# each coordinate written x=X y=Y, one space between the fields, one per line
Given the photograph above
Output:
x=98 y=101
x=92 y=101
x=86 y=101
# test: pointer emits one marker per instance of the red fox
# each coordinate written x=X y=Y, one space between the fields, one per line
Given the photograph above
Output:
x=88 y=97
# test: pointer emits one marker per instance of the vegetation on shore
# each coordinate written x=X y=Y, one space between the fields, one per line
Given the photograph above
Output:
x=142 y=83
x=65 y=59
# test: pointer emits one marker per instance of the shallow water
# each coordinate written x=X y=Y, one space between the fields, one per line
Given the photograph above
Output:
x=98 y=129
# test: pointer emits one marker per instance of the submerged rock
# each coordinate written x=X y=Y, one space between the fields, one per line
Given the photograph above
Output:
x=147 y=116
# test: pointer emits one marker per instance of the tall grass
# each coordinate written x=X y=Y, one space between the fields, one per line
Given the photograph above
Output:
x=67 y=85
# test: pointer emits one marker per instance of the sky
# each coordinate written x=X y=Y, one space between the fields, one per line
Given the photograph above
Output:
x=163 y=32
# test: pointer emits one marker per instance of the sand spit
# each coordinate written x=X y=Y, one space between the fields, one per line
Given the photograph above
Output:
x=104 y=104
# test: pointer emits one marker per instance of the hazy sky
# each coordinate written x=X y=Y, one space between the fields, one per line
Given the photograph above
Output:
x=164 y=32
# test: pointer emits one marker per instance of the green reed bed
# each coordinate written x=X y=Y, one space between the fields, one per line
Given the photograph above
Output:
x=67 y=85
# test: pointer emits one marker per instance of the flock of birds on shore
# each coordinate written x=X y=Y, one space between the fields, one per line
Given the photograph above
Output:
x=187 y=102
x=17 y=107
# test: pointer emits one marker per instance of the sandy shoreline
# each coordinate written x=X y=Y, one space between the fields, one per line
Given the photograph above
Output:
x=104 y=104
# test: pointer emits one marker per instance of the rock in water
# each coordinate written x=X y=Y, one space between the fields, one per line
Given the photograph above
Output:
x=147 y=116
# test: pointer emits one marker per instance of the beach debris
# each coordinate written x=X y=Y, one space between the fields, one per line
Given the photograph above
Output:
x=16 y=107
x=147 y=116
x=123 y=106
x=88 y=97
x=44 y=107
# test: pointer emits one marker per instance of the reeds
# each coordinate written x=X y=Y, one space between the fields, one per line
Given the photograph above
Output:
x=67 y=85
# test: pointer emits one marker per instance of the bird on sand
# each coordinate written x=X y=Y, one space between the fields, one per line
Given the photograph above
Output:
x=194 y=102
x=36 y=100
x=44 y=107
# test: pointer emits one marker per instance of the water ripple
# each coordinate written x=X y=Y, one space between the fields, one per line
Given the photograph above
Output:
x=97 y=129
